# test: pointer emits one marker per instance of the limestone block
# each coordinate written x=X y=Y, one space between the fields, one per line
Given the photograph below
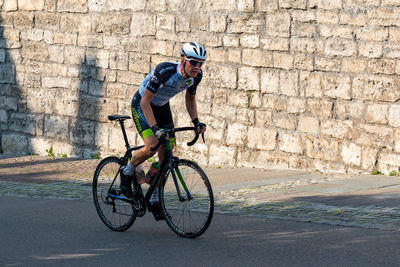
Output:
x=336 y=128
x=327 y=64
x=308 y=124
x=129 y=77
x=278 y=24
x=217 y=54
x=350 y=109
x=337 y=86
x=96 y=88
x=40 y=100
x=290 y=142
x=295 y=4
x=300 y=29
x=235 y=98
x=165 y=22
x=353 y=18
x=134 y=5
x=382 y=66
x=217 y=23
x=65 y=103
x=67 y=39
x=263 y=118
x=182 y=24
x=215 y=128
x=119 y=60
x=245 y=5
x=372 y=33
x=275 y=44
x=394 y=115
x=96 y=108
x=221 y=155
x=26 y=123
x=296 y=105
x=143 y=24
x=269 y=81
x=257 y=58
x=289 y=83
x=75 y=6
x=219 y=5
x=47 y=21
x=384 y=16
x=198 y=153
x=304 y=15
x=303 y=45
x=82 y=132
x=368 y=158
x=245 y=23
x=245 y=116
x=388 y=161
x=98 y=5
x=374 y=87
x=353 y=64
x=90 y=40
x=321 y=148
x=357 y=3
x=250 y=41
x=329 y=4
x=139 y=62
x=114 y=23
x=274 y=103
x=283 y=60
x=340 y=47
x=284 y=121
x=162 y=48
x=35 y=51
x=220 y=76
x=377 y=113
x=255 y=101
x=397 y=141
x=231 y=41
x=327 y=17
x=56 y=127
x=314 y=85
x=56 y=53
x=223 y=111
x=336 y=31
x=303 y=62
x=266 y=6
x=56 y=82
x=236 y=134
x=14 y=143
x=249 y=79
x=24 y=20
x=3 y=116
x=329 y=166
x=261 y=138
x=351 y=154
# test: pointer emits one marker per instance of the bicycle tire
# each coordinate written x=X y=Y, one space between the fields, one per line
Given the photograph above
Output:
x=115 y=213
x=189 y=218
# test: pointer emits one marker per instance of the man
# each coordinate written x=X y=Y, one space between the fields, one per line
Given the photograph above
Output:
x=151 y=111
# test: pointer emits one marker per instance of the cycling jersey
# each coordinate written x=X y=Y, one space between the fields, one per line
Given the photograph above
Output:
x=166 y=81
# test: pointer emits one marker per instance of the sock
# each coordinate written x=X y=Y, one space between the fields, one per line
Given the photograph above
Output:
x=154 y=196
x=128 y=170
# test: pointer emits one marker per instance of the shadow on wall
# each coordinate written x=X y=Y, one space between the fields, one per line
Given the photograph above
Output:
x=84 y=128
x=17 y=123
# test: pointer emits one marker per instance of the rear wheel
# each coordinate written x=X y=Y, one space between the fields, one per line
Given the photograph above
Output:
x=188 y=216
x=117 y=214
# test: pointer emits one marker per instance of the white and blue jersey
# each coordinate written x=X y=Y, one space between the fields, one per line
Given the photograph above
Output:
x=166 y=81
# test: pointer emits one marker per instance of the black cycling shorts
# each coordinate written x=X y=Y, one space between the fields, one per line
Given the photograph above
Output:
x=162 y=115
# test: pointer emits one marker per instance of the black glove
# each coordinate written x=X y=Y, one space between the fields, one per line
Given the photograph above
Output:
x=198 y=124
x=158 y=132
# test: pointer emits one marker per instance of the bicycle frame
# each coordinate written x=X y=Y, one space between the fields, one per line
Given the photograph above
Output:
x=168 y=162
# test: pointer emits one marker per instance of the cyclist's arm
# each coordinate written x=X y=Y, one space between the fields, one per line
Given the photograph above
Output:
x=191 y=105
x=146 y=107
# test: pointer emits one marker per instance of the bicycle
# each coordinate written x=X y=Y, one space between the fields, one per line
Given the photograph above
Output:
x=185 y=193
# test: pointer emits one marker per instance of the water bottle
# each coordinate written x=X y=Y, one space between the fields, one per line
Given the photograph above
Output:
x=140 y=175
x=155 y=166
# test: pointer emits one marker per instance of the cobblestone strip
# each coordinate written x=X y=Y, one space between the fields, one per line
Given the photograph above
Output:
x=235 y=202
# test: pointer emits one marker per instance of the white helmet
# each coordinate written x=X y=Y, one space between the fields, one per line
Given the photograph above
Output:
x=194 y=50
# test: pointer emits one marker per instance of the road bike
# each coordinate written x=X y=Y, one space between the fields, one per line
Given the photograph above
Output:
x=185 y=193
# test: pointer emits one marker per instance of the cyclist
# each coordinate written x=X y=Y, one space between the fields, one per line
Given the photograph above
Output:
x=152 y=114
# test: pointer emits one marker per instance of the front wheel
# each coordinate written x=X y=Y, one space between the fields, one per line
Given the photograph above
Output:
x=190 y=214
x=117 y=214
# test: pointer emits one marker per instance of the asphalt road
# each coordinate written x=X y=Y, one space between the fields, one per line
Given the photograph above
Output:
x=40 y=232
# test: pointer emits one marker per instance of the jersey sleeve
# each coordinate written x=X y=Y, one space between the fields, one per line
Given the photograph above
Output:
x=192 y=89
x=161 y=74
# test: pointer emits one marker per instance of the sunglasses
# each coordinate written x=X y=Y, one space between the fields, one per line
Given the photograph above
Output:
x=195 y=63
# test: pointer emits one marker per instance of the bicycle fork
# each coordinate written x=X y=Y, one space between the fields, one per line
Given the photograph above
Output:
x=176 y=172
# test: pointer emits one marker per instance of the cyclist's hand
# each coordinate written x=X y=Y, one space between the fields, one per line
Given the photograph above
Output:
x=158 y=132
x=200 y=127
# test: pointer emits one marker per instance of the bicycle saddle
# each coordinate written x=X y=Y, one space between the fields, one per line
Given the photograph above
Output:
x=118 y=117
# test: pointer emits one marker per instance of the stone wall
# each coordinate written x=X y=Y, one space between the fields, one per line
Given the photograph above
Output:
x=311 y=84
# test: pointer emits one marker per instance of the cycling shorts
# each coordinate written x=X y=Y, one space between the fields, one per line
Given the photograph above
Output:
x=162 y=114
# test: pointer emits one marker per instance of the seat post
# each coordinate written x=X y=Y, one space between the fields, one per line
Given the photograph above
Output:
x=121 y=122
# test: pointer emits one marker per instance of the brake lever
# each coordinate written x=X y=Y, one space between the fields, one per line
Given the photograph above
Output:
x=202 y=136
